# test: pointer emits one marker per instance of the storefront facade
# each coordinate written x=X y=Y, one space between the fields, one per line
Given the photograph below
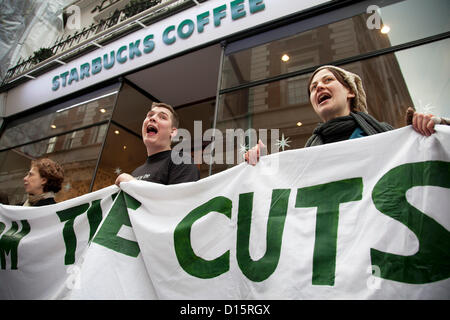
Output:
x=234 y=66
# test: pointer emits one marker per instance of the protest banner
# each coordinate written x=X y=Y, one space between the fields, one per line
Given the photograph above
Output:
x=359 y=219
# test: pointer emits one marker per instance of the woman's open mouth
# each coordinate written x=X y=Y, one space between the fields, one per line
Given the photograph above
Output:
x=323 y=97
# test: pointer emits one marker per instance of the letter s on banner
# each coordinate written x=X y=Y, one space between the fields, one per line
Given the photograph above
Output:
x=432 y=261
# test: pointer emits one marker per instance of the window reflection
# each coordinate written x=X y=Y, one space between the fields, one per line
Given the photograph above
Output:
x=132 y=106
x=77 y=152
x=285 y=105
x=13 y=167
x=343 y=39
x=123 y=152
x=63 y=120
x=426 y=72
x=201 y=114
x=419 y=19
x=417 y=76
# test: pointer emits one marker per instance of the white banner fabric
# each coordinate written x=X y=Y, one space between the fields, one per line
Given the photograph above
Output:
x=361 y=219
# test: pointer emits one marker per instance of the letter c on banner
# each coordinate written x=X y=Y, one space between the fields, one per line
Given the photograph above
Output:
x=189 y=261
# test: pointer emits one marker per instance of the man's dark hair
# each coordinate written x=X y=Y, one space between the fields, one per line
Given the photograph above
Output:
x=175 y=118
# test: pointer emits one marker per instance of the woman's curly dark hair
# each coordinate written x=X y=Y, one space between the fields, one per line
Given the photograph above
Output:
x=51 y=171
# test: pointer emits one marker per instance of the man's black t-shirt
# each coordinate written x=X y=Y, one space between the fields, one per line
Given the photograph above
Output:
x=159 y=168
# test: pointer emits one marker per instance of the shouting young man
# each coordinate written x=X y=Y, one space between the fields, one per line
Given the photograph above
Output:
x=159 y=127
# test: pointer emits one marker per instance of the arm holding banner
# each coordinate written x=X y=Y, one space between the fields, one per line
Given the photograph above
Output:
x=421 y=123
x=424 y=123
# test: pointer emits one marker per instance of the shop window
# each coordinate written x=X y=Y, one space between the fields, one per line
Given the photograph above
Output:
x=269 y=110
x=78 y=160
x=195 y=120
x=51 y=144
x=297 y=90
x=75 y=140
x=123 y=152
x=392 y=83
x=131 y=109
x=425 y=71
x=14 y=165
x=408 y=21
x=100 y=133
x=70 y=115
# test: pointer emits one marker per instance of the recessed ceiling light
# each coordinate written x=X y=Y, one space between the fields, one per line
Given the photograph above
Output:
x=285 y=58
x=124 y=147
x=53 y=126
x=299 y=124
x=102 y=110
x=116 y=132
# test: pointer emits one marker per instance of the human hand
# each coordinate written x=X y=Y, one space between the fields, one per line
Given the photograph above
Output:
x=252 y=155
x=424 y=123
x=124 y=177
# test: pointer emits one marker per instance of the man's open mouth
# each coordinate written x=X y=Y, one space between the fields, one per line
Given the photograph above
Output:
x=152 y=130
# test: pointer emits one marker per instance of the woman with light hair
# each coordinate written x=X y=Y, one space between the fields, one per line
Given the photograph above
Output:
x=339 y=99
x=42 y=182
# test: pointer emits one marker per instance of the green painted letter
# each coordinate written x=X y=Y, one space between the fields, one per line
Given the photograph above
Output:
x=166 y=38
x=108 y=64
x=202 y=20
x=432 y=261
x=327 y=197
x=9 y=242
x=84 y=70
x=96 y=65
x=73 y=76
x=219 y=13
x=237 y=9
x=188 y=260
x=190 y=24
x=261 y=270
x=118 y=216
x=121 y=59
x=148 y=43
x=94 y=214
x=133 y=49
x=256 y=5
x=55 y=83
x=69 y=236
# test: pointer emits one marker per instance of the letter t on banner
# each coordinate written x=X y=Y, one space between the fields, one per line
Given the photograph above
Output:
x=327 y=197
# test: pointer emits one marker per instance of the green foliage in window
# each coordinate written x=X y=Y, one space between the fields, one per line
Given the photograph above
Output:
x=41 y=55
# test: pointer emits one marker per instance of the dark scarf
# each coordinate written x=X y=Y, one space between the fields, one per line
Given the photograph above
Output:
x=32 y=200
x=341 y=128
